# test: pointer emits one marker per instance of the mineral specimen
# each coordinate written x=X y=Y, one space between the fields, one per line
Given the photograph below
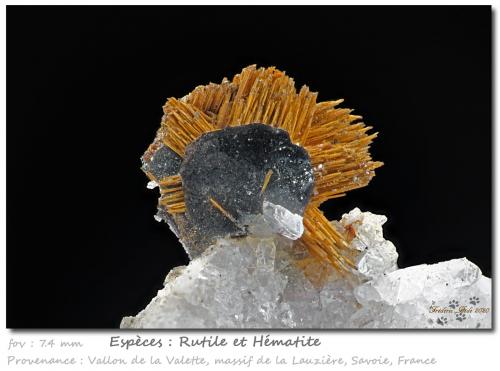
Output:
x=261 y=283
x=238 y=158
x=242 y=168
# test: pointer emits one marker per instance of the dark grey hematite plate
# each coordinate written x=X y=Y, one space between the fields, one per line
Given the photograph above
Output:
x=229 y=166
x=163 y=163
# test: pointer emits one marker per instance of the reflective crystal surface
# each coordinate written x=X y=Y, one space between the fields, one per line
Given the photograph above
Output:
x=163 y=162
x=229 y=167
x=262 y=282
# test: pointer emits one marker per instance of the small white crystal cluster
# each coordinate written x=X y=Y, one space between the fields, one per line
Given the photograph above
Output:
x=275 y=219
x=260 y=282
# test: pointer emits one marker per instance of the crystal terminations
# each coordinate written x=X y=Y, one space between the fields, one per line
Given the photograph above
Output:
x=261 y=283
x=226 y=152
x=242 y=168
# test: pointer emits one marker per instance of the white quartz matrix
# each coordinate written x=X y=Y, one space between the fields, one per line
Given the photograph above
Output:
x=259 y=282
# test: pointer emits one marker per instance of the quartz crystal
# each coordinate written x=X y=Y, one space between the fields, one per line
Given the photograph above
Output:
x=260 y=281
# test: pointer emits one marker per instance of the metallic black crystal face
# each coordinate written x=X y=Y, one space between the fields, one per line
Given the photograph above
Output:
x=164 y=162
x=229 y=166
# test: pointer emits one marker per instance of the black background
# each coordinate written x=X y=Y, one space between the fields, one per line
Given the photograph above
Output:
x=85 y=90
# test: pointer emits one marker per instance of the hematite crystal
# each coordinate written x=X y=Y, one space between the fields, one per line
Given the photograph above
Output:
x=164 y=162
x=229 y=166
